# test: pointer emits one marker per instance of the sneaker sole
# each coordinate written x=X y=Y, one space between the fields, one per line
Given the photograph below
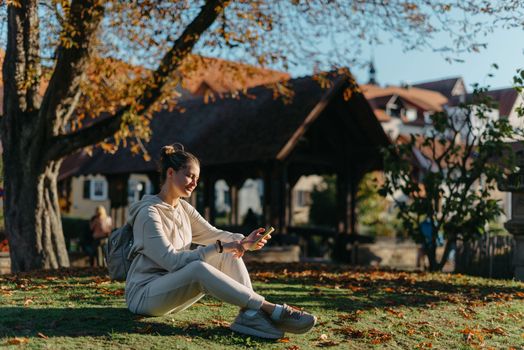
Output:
x=251 y=331
x=300 y=330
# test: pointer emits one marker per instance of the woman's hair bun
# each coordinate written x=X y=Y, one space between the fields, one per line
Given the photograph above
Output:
x=168 y=150
x=172 y=149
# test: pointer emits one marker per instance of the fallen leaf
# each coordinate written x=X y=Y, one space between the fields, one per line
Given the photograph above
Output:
x=293 y=347
x=497 y=330
x=323 y=336
x=399 y=314
x=42 y=335
x=221 y=323
x=17 y=341
x=28 y=302
x=283 y=340
x=327 y=343
x=144 y=330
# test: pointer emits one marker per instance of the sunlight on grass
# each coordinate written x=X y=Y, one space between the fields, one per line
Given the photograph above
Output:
x=357 y=309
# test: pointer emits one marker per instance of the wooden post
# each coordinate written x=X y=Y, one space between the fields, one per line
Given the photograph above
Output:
x=209 y=199
x=343 y=199
x=278 y=198
x=266 y=200
x=233 y=191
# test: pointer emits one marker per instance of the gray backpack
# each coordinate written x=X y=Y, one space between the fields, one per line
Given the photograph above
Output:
x=118 y=259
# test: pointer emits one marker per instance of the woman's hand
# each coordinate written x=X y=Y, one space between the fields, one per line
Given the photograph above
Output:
x=236 y=248
x=247 y=242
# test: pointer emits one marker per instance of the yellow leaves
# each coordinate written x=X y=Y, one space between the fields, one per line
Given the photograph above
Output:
x=14 y=3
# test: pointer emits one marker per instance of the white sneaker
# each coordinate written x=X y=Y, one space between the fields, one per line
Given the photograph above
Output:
x=257 y=324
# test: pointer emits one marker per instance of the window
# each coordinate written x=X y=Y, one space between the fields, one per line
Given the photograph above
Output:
x=411 y=114
x=136 y=190
x=303 y=198
x=87 y=190
x=97 y=189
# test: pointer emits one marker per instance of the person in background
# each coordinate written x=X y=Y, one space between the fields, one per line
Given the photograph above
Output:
x=101 y=225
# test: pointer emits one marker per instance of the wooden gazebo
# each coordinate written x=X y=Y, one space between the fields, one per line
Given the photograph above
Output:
x=260 y=136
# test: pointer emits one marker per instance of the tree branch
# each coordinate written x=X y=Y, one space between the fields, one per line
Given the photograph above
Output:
x=72 y=58
x=63 y=145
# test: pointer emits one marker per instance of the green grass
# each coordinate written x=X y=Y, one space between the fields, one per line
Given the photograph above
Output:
x=357 y=309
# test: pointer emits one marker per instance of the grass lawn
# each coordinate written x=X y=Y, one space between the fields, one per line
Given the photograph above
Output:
x=357 y=309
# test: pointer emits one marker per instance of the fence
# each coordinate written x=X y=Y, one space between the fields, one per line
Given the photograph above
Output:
x=489 y=256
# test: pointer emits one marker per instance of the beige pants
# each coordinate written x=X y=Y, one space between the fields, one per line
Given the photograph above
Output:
x=223 y=277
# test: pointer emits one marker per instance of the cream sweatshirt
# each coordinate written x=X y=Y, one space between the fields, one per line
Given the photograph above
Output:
x=162 y=238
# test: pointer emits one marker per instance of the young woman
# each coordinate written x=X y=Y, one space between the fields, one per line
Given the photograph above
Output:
x=166 y=276
x=101 y=225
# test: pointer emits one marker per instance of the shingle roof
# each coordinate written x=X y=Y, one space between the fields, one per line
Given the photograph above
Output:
x=505 y=98
x=444 y=86
x=241 y=130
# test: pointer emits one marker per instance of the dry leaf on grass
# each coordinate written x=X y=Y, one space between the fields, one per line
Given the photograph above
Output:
x=293 y=347
x=283 y=340
x=17 y=341
x=144 y=330
x=221 y=323
x=497 y=330
x=42 y=335
x=399 y=314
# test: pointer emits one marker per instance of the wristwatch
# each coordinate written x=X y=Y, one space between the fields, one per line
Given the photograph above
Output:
x=219 y=246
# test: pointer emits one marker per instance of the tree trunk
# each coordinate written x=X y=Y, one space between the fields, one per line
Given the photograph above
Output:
x=450 y=244
x=431 y=252
x=33 y=228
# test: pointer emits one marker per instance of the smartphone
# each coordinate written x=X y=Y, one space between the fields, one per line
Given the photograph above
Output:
x=264 y=235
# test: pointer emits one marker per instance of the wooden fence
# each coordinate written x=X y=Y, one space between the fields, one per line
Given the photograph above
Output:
x=489 y=256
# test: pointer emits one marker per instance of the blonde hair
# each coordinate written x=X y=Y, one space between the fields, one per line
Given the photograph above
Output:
x=101 y=211
x=174 y=156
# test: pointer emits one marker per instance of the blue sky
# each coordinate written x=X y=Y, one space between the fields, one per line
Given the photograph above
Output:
x=505 y=48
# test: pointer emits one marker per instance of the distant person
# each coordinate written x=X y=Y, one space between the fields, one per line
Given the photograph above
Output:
x=167 y=277
x=250 y=220
x=101 y=225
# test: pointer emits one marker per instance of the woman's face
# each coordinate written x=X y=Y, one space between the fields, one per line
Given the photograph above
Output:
x=185 y=180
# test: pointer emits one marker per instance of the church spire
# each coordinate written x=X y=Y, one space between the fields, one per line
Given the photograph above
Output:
x=372 y=73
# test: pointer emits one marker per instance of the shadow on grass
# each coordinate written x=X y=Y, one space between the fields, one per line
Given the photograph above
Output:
x=356 y=294
x=104 y=322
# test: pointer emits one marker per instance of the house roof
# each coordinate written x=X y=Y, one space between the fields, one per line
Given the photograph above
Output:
x=422 y=98
x=443 y=86
x=251 y=128
x=506 y=99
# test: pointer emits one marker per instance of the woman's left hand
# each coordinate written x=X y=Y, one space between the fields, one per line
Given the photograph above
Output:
x=236 y=248
x=247 y=242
